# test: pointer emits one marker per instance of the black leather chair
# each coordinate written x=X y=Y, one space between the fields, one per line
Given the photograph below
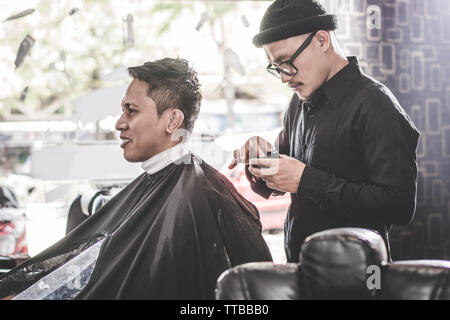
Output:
x=416 y=280
x=6 y=264
x=344 y=263
x=85 y=205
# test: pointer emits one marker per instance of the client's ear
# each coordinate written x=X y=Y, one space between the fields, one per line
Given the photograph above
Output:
x=176 y=118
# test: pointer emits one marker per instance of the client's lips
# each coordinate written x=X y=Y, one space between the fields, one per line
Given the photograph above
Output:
x=125 y=141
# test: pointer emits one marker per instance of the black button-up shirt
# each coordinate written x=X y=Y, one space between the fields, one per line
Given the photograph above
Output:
x=359 y=147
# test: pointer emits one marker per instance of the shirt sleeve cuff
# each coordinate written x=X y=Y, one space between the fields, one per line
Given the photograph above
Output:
x=313 y=183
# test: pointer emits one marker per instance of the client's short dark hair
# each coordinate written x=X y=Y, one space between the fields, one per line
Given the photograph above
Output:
x=172 y=84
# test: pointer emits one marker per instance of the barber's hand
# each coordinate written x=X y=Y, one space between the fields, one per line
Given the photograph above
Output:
x=254 y=147
x=283 y=174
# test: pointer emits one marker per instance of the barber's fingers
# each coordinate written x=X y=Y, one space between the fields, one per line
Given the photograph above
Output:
x=239 y=156
x=258 y=147
x=265 y=146
x=268 y=182
x=236 y=159
x=264 y=168
x=263 y=163
x=254 y=147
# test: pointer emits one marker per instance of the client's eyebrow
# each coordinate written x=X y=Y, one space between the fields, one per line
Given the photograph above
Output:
x=128 y=104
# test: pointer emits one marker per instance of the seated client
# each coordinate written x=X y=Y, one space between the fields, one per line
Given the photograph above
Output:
x=172 y=231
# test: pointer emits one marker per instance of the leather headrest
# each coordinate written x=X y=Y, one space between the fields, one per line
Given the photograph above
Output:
x=93 y=200
x=7 y=262
x=99 y=201
x=259 y=281
x=416 y=280
x=335 y=263
x=86 y=201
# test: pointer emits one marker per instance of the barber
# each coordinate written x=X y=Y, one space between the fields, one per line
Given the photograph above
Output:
x=347 y=150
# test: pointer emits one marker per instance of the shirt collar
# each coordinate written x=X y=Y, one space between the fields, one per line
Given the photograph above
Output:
x=163 y=159
x=335 y=88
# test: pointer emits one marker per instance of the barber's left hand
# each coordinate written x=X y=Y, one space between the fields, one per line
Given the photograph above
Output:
x=281 y=174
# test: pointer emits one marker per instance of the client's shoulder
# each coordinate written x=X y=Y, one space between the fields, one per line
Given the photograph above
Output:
x=199 y=177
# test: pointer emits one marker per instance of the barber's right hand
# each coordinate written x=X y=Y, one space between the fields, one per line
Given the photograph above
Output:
x=254 y=147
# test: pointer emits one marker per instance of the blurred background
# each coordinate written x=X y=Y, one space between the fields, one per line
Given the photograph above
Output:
x=63 y=75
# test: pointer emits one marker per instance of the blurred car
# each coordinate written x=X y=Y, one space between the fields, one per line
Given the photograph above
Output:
x=272 y=211
x=13 y=242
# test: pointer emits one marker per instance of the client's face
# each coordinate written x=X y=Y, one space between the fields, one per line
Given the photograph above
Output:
x=141 y=129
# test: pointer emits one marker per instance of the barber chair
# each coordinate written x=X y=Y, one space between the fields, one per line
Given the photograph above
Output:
x=6 y=264
x=343 y=263
x=85 y=205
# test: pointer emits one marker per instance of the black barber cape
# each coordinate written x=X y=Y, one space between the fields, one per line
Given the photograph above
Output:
x=167 y=235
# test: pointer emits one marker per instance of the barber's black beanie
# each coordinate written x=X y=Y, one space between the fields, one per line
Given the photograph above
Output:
x=287 y=18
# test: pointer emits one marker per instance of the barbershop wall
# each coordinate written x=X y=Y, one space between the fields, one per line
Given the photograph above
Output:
x=405 y=44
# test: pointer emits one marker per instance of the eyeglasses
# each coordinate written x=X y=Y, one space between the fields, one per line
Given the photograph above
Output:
x=286 y=67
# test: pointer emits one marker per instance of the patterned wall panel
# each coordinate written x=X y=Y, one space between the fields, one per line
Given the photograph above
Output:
x=405 y=44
